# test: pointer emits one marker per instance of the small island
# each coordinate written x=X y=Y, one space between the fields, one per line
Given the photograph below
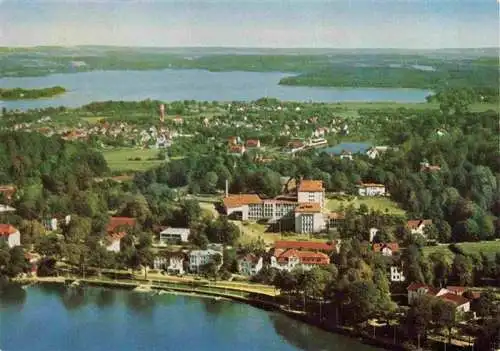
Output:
x=21 y=94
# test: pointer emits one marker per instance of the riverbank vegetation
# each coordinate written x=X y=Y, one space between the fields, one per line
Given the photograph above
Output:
x=21 y=94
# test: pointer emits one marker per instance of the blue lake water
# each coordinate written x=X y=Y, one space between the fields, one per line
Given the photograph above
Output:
x=171 y=85
x=53 y=317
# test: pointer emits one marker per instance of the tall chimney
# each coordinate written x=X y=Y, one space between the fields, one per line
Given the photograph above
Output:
x=227 y=188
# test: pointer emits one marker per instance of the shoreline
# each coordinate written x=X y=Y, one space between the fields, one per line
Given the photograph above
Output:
x=217 y=295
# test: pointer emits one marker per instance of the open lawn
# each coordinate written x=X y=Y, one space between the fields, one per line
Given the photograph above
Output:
x=93 y=120
x=376 y=203
x=252 y=231
x=490 y=248
x=124 y=159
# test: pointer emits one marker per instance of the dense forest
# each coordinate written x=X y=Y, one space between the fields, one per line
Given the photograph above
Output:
x=19 y=93
x=462 y=76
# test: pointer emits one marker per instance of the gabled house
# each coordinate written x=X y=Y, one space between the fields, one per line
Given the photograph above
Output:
x=417 y=226
x=237 y=150
x=117 y=230
x=386 y=249
x=291 y=259
x=461 y=303
x=10 y=235
x=172 y=262
x=249 y=264
x=252 y=144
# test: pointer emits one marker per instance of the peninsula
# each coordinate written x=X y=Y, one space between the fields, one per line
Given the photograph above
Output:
x=21 y=94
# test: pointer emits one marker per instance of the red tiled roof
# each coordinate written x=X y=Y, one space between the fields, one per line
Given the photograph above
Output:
x=252 y=143
x=311 y=186
x=308 y=245
x=454 y=298
x=456 y=289
x=415 y=224
x=310 y=207
x=239 y=200
x=372 y=185
x=379 y=247
x=115 y=222
x=236 y=149
x=306 y=257
x=116 y=236
x=416 y=286
x=7 y=229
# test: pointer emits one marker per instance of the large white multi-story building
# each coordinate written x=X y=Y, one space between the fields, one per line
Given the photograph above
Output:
x=311 y=191
x=309 y=218
x=306 y=210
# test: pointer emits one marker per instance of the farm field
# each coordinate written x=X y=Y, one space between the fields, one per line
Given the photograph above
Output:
x=490 y=248
x=376 y=203
x=121 y=159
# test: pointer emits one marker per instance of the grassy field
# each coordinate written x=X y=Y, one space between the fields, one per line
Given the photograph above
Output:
x=490 y=248
x=120 y=159
x=376 y=203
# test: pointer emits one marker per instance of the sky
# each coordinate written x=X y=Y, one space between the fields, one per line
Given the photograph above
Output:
x=413 y=24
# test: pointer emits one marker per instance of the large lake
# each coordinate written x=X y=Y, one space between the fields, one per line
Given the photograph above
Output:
x=53 y=317
x=171 y=85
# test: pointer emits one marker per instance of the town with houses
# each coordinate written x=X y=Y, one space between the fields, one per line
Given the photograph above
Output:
x=306 y=221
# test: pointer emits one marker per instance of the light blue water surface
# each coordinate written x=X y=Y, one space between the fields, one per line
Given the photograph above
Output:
x=53 y=317
x=171 y=85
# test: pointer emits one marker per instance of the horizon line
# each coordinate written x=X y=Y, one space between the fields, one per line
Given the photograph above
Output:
x=246 y=47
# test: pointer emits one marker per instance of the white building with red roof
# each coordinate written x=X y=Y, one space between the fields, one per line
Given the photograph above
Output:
x=450 y=294
x=117 y=230
x=10 y=235
x=252 y=144
x=309 y=218
x=417 y=226
x=311 y=191
x=291 y=259
x=386 y=249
